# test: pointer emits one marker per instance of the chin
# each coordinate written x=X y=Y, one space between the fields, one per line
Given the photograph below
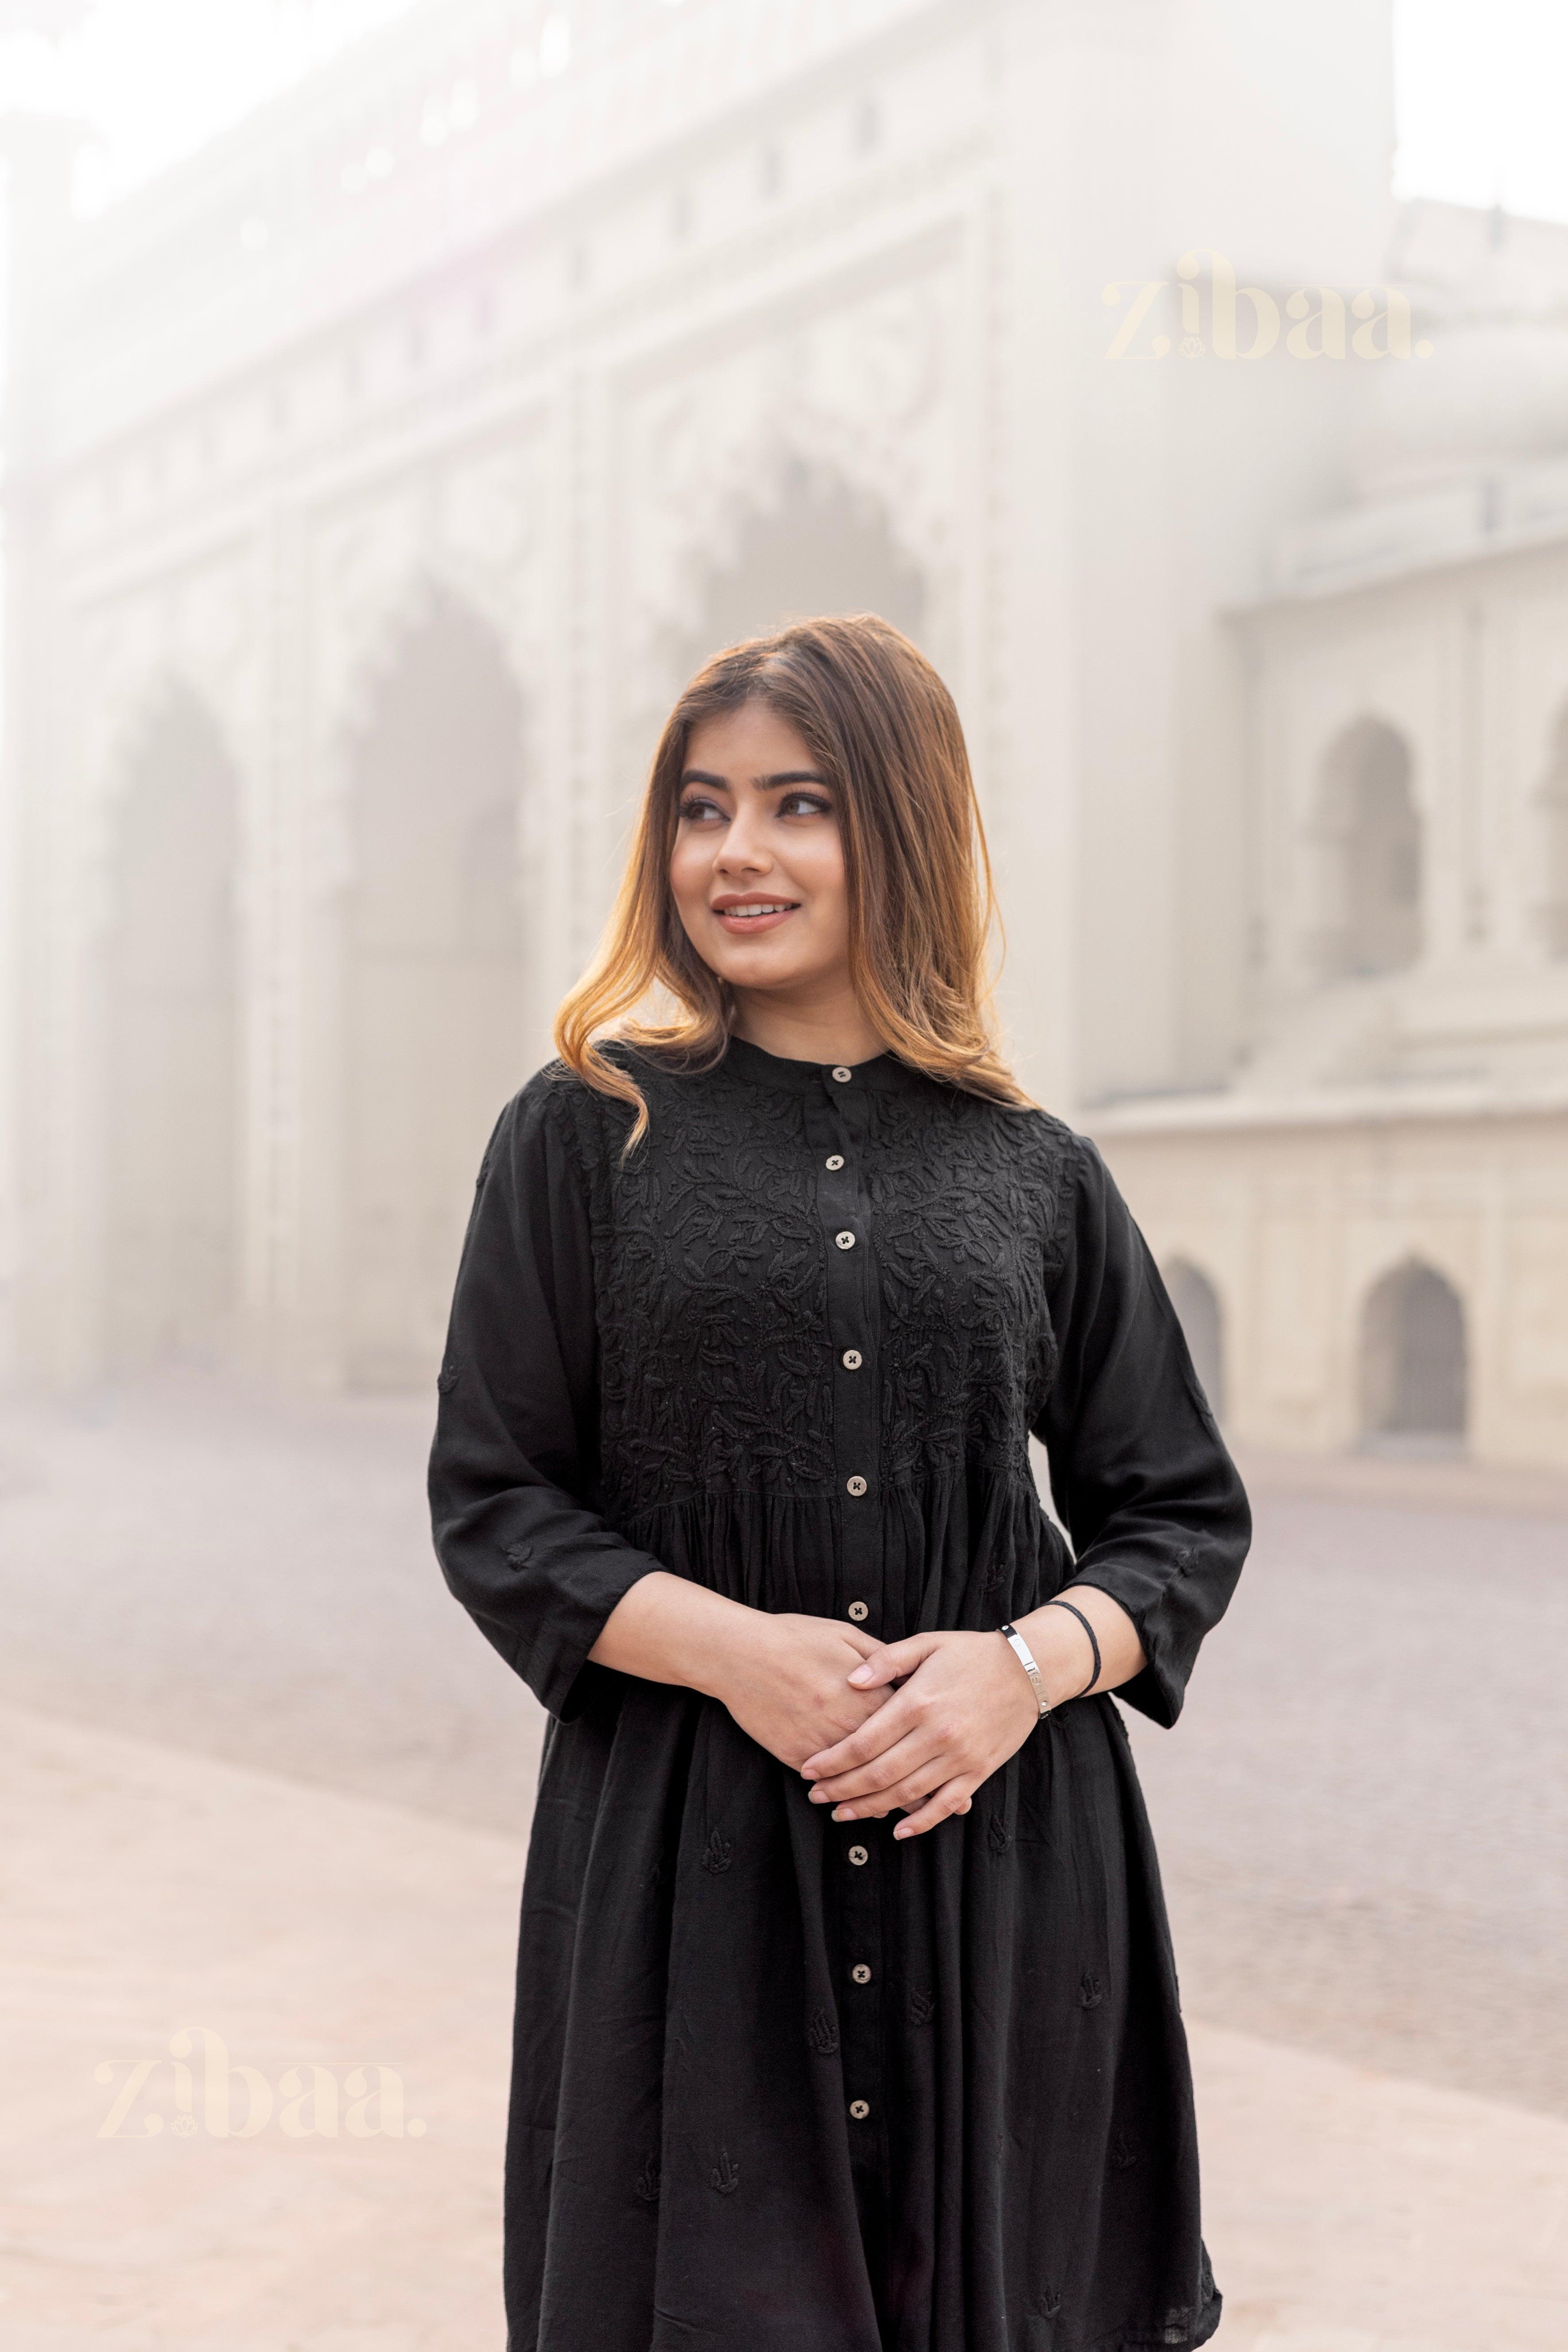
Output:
x=755 y=971
x=748 y=960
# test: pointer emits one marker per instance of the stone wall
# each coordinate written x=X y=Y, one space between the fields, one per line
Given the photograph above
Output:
x=1298 y=1224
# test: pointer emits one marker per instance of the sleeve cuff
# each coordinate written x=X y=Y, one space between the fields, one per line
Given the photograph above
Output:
x=553 y=1661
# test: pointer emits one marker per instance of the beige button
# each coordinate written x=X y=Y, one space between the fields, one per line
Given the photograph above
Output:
x=842 y=1075
x=852 y=1360
x=845 y=1241
x=834 y=1161
x=855 y=1485
x=859 y=2109
x=858 y=1856
x=861 y=1972
x=858 y=1611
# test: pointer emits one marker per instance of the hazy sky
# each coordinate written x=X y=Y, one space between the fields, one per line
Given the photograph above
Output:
x=1482 y=83
x=158 y=77
x=1481 y=86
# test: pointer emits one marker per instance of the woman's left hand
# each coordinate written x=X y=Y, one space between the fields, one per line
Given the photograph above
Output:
x=965 y=1704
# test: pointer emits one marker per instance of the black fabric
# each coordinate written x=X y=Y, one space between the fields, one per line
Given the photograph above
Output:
x=646 y=1368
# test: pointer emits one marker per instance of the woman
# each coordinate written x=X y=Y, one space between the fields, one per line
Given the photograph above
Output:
x=846 y=2016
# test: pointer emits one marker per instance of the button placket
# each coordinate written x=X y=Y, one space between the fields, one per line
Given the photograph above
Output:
x=859 y=1921
x=851 y=1365
x=844 y=1210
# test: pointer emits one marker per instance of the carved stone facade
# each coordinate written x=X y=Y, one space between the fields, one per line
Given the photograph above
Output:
x=496 y=368
x=375 y=478
x=1378 y=1201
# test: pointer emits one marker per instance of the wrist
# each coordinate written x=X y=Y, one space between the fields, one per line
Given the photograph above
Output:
x=1061 y=1652
x=738 y=1640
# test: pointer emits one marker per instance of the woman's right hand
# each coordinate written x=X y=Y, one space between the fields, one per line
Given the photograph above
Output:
x=783 y=1676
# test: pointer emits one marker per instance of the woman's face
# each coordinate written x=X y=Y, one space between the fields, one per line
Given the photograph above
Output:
x=757 y=870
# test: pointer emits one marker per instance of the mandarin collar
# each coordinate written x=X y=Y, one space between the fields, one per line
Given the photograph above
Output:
x=883 y=1074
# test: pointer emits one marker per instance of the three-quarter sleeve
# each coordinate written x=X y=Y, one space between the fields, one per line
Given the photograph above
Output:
x=1139 y=1474
x=513 y=1473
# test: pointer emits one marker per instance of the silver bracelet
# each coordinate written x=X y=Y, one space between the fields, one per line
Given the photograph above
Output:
x=1024 y=1656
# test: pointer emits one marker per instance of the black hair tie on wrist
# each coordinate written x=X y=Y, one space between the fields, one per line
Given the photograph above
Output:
x=1093 y=1645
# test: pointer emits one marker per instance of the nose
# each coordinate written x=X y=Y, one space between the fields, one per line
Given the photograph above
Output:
x=744 y=849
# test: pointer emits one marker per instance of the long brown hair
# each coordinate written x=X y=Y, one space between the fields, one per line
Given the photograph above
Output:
x=882 y=729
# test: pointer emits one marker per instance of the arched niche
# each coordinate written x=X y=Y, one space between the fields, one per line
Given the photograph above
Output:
x=169 y=980
x=1198 y=1310
x=1414 y=1360
x=435 y=964
x=820 y=545
x=1368 y=829
x=1551 y=879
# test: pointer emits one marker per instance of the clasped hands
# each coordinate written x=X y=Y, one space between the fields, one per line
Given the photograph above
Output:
x=876 y=1727
x=879 y=1728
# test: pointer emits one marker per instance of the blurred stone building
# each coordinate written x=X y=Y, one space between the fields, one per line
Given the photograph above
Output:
x=374 y=478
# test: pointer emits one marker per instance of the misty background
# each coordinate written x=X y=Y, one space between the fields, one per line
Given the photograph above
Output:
x=400 y=401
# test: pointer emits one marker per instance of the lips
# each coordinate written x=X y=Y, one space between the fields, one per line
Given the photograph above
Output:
x=744 y=917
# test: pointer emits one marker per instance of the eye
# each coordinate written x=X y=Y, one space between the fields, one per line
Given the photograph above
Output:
x=696 y=808
x=805 y=804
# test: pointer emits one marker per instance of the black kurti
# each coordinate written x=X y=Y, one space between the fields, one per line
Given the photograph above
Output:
x=782 y=2084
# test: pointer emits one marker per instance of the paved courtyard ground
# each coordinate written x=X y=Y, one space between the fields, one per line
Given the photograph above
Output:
x=260 y=1776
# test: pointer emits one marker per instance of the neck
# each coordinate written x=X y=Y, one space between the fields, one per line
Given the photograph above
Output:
x=827 y=1028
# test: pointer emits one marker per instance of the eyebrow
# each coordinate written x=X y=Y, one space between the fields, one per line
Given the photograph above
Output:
x=762 y=783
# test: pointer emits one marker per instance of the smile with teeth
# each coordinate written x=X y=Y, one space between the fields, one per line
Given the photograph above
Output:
x=765 y=906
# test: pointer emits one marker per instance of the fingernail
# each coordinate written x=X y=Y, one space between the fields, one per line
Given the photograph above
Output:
x=819 y=1796
x=845 y=1813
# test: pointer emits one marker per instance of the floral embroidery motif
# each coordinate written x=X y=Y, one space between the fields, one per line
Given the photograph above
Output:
x=1090 y=1992
x=1046 y=2304
x=921 y=2007
x=446 y=1378
x=996 y=1836
x=712 y=1226
x=725 y=2176
x=1123 y=2155
x=647 y=2181
x=822 y=2033
x=716 y=1854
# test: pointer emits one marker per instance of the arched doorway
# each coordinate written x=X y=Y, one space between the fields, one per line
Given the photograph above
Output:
x=1414 y=1360
x=1196 y=1302
x=170 y=977
x=1371 y=832
x=822 y=547
x=434 y=980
